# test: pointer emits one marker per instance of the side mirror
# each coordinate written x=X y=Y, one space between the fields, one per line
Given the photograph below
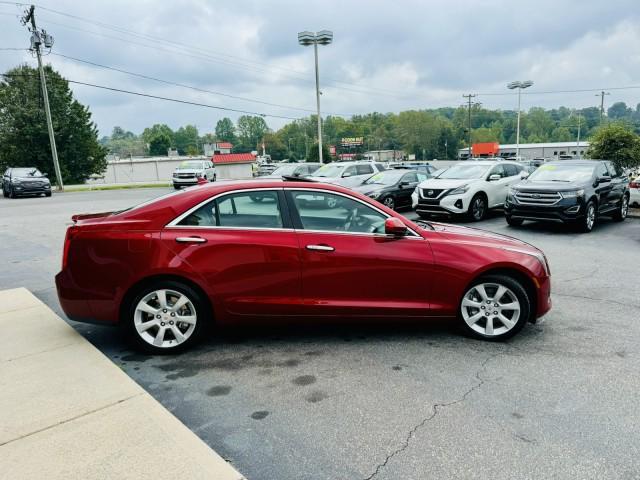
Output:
x=403 y=184
x=394 y=226
x=524 y=174
x=604 y=179
x=45 y=174
x=494 y=177
x=346 y=174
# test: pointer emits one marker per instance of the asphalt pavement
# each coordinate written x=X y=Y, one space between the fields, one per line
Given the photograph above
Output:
x=395 y=402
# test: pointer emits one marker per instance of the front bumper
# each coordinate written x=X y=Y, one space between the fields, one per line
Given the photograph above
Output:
x=30 y=189
x=446 y=205
x=566 y=210
x=185 y=182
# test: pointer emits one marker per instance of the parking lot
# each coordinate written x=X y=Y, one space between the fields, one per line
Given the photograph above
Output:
x=557 y=401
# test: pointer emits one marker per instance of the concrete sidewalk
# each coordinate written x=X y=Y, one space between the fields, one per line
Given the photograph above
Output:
x=67 y=412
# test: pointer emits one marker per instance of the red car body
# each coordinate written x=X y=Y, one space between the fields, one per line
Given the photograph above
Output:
x=265 y=275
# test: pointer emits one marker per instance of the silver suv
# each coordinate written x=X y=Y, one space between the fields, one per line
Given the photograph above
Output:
x=189 y=171
x=347 y=174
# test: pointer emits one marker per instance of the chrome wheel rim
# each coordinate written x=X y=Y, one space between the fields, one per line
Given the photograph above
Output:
x=478 y=208
x=389 y=203
x=625 y=207
x=490 y=309
x=591 y=216
x=165 y=318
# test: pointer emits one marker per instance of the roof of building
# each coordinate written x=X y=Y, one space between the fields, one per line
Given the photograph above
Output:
x=223 y=158
x=224 y=145
x=539 y=145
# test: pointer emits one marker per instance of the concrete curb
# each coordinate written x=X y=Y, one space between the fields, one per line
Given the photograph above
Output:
x=69 y=412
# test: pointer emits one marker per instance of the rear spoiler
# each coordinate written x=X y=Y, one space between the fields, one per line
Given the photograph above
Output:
x=89 y=216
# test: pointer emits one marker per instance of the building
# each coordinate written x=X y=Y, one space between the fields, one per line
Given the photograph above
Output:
x=233 y=165
x=219 y=147
x=384 y=155
x=528 y=151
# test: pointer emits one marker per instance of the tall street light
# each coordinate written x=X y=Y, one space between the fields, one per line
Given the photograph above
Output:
x=323 y=37
x=519 y=86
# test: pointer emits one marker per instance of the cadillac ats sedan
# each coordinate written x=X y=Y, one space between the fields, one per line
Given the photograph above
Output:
x=212 y=254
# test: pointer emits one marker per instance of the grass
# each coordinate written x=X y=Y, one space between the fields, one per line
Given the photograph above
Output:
x=84 y=188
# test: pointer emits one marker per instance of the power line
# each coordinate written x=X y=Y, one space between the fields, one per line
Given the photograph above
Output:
x=191 y=87
x=580 y=90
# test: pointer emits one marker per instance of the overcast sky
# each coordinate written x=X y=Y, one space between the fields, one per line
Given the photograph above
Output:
x=386 y=56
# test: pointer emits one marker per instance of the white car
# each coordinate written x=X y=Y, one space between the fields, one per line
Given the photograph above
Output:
x=634 y=190
x=347 y=174
x=470 y=188
x=189 y=171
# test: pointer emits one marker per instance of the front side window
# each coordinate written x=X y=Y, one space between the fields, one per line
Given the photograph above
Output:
x=498 y=170
x=411 y=177
x=256 y=209
x=335 y=213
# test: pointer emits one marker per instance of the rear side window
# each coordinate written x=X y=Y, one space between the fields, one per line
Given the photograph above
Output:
x=258 y=209
x=380 y=167
x=364 y=169
x=613 y=171
x=601 y=170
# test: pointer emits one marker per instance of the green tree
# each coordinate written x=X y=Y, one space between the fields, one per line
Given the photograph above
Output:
x=251 y=131
x=616 y=142
x=619 y=111
x=225 y=131
x=186 y=139
x=159 y=128
x=313 y=154
x=24 y=139
x=159 y=144
x=275 y=146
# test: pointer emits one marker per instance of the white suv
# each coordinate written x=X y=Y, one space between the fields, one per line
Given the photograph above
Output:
x=470 y=187
x=189 y=171
x=347 y=174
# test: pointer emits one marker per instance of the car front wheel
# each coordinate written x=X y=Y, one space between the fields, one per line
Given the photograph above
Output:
x=477 y=208
x=495 y=307
x=389 y=202
x=589 y=220
x=514 y=222
x=166 y=317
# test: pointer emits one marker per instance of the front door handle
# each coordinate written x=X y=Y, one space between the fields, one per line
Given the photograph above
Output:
x=191 y=240
x=320 y=248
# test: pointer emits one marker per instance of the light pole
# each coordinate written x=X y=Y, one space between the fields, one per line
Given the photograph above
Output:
x=323 y=37
x=519 y=86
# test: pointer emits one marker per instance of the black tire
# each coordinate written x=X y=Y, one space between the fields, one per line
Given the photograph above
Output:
x=514 y=222
x=586 y=224
x=523 y=298
x=621 y=213
x=47 y=194
x=389 y=202
x=202 y=313
x=215 y=178
x=256 y=198
x=477 y=208
x=177 y=187
x=11 y=194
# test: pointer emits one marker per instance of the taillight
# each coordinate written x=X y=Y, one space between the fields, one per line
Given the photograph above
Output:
x=634 y=184
x=71 y=232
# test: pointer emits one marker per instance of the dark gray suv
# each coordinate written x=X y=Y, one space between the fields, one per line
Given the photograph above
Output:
x=25 y=181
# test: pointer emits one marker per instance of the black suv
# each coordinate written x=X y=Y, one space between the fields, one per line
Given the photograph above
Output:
x=25 y=181
x=393 y=188
x=570 y=191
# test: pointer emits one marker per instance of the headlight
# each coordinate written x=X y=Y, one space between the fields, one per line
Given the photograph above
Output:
x=573 y=193
x=539 y=255
x=459 y=191
x=175 y=175
x=373 y=194
x=16 y=181
x=512 y=191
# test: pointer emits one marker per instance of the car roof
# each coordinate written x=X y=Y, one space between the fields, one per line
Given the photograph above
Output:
x=575 y=162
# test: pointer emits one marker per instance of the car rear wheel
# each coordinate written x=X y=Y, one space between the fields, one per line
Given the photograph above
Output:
x=256 y=198
x=590 y=217
x=621 y=213
x=389 y=202
x=477 y=207
x=514 y=222
x=166 y=317
x=495 y=307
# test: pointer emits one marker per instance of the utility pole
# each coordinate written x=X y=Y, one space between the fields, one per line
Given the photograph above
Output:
x=469 y=97
x=601 y=95
x=37 y=38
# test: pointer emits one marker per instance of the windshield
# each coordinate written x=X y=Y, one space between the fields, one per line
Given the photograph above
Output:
x=464 y=172
x=190 y=165
x=389 y=177
x=26 y=172
x=562 y=173
x=329 y=171
x=284 y=170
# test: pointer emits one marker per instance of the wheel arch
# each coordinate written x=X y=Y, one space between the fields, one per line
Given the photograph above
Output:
x=150 y=280
x=517 y=275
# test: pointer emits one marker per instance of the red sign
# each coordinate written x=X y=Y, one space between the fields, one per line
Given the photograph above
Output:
x=332 y=150
x=489 y=148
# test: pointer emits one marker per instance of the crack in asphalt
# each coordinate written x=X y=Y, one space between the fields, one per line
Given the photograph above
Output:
x=595 y=299
x=435 y=408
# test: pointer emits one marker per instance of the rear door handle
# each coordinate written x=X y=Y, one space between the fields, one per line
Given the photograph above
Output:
x=191 y=240
x=320 y=248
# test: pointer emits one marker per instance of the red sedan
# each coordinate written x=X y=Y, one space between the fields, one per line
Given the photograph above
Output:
x=246 y=252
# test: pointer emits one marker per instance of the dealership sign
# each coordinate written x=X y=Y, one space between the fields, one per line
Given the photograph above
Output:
x=352 y=141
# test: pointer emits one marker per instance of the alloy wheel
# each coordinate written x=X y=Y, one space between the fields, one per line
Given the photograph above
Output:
x=490 y=309
x=624 y=208
x=165 y=318
x=389 y=203
x=478 y=208
x=331 y=202
x=591 y=216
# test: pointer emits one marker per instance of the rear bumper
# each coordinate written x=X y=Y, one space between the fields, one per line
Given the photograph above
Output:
x=75 y=305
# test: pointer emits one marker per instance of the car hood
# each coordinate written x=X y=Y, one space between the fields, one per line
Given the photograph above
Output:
x=446 y=184
x=28 y=178
x=188 y=170
x=367 y=189
x=459 y=233
x=550 y=186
